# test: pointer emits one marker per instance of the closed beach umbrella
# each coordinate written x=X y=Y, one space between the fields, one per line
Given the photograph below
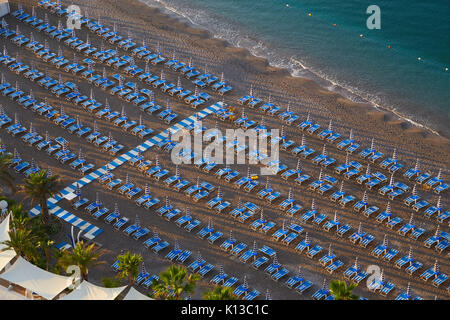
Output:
x=146 y=189
x=16 y=118
x=414 y=190
x=356 y=264
x=330 y=125
x=324 y=151
x=210 y=224
x=394 y=155
x=385 y=241
x=283 y=133
x=365 y=199
x=299 y=272
x=299 y=166
x=137 y=221
x=439 y=176
x=98 y=202
x=155 y=232
x=408 y=290
x=231 y=236
x=110 y=137
x=267 y=183
x=308 y=117
x=391 y=181
x=31 y=127
x=417 y=166
x=188 y=212
x=410 y=254
x=372 y=145
x=360 y=230
x=275 y=260
x=330 y=252
x=177 y=172
x=382 y=278
x=123 y=113
x=240 y=203
x=248 y=172
x=245 y=284
x=284 y=225
x=388 y=209
x=140 y=120
x=347 y=160
x=307 y=240
x=411 y=219
x=17 y=30
x=290 y=194
x=321 y=175
x=368 y=170
x=95 y=126
x=199 y=256
x=219 y=193
x=167 y=202
x=437 y=233
x=341 y=189
x=261 y=218
x=127 y=179
x=75 y=58
x=313 y=205
x=439 y=205
x=336 y=218
x=49 y=172
x=143 y=270
x=436 y=267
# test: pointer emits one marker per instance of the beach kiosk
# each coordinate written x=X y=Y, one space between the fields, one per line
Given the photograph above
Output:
x=4 y=8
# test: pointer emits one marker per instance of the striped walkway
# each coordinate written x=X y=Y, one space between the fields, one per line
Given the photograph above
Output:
x=69 y=192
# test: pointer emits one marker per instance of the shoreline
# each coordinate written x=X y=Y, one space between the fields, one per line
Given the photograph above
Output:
x=346 y=93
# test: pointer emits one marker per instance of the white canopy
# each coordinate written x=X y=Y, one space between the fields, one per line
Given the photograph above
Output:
x=89 y=291
x=133 y=294
x=5 y=256
x=44 y=283
x=6 y=294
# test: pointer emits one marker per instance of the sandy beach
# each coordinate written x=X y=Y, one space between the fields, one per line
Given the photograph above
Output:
x=241 y=70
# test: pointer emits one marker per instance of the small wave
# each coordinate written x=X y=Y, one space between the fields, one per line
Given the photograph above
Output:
x=294 y=65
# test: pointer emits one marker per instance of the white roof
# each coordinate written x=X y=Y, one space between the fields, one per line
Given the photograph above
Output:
x=44 y=283
x=5 y=256
x=6 y=294
x=133 y=294
x=89 y=291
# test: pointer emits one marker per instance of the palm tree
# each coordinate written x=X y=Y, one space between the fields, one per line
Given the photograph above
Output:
x=173 y=282
x=39 y=187
x=83 y=256
x=341 y=291
x=47 y=246
x=22 y=242
x=129 y=266
x=6 y=178
x=220 y=293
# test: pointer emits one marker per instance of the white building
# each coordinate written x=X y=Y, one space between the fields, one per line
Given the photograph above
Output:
x=4 y=8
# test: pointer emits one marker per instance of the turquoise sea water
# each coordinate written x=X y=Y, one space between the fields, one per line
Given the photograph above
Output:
x=337 y=56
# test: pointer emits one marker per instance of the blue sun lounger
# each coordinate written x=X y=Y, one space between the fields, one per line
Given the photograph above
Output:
x=173 y=254
x=350 y=272
x=140 y=233
x=79 y=203
x=115 y=266
x=183 y=256
x=120 y=223
x=259 y=262
x=360 y=276
x=302 y=287
x=238 y=249
x=148 y=282
x=280 y=273
x=440 y=279
x=191 y=225
x=321 y=294
x=205 y=270
x=239 y=291
x=160 y=246
x=196 y=265
x=152 y=241
x=230 y=282
x=219 y=278
x=292 y=281
x=213 y=237
x=334 y=266
x=314 y=251
x=101 y=212
x=413 y=267
x=251 y=295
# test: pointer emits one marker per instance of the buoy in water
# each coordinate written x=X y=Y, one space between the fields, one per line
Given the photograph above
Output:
x=287 y=5
x=334 y=24
x=389 y=46
x=361 y=35
x=446 y=69
x=419 y=58
x=309 y=14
